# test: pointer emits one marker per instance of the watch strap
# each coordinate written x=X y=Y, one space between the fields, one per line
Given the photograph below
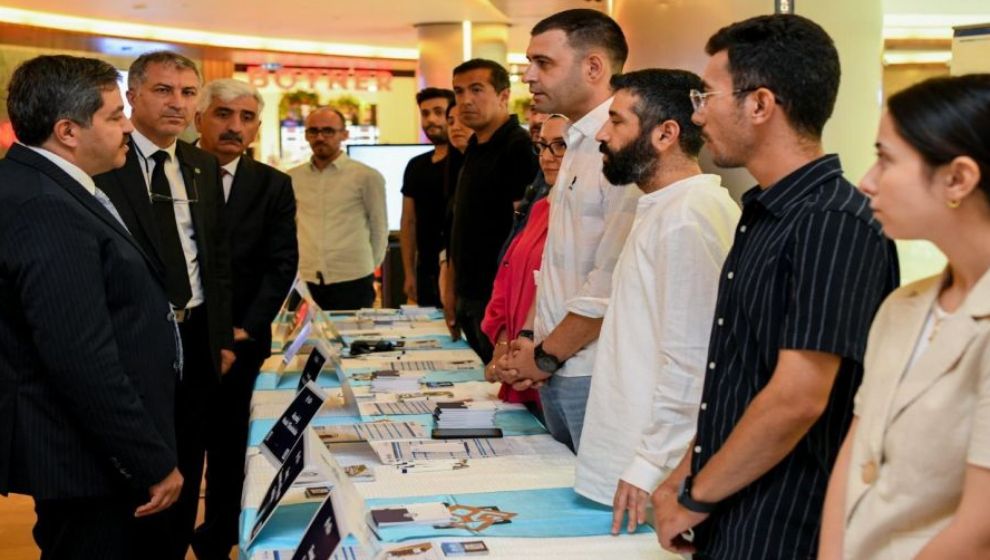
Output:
x=684 y=498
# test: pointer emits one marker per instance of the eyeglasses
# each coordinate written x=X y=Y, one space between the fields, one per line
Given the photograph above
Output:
x=326 y=131
x=700 y=98
x=557 y=147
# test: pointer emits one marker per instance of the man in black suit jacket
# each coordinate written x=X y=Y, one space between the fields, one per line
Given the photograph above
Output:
x=89 y=354
x=169 y=195
x=261 y=213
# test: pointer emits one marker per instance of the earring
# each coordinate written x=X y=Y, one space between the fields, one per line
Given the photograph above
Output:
x=952 y=204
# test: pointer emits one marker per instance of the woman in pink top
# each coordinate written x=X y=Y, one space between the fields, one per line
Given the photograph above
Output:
x=515 y=284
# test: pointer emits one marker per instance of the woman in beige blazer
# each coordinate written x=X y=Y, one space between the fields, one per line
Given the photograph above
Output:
x=913 y=477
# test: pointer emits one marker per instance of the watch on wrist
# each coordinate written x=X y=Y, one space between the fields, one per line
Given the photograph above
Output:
x=684 y=498
x=548 y=363
x=526 y=333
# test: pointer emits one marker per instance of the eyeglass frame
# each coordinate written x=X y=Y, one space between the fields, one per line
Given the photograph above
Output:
x=700 y=98
x=539 y=146
x=327 y=131
x=155 y=197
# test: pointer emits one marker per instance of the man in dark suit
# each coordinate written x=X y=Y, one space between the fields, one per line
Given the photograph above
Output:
x=169 y=195
x=89 y=354
x=261 y=214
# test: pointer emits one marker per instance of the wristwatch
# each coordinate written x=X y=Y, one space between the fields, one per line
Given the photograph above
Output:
x=526 y=333
x=547 y=363
x=684 y=498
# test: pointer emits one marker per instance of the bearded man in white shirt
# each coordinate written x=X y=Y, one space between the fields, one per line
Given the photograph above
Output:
x=650 y=366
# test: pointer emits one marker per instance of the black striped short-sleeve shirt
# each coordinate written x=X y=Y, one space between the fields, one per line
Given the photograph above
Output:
x=807 y=271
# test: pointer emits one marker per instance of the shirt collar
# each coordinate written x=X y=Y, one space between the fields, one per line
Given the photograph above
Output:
x=591 y=123
x=231 y=167
x=71 y=169
x=702 y=179
x=796 y=186
x=499 y=134
x=147 y=147
x=337 y=162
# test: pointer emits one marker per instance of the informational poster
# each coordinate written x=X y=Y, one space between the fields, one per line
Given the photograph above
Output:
x=971 y=49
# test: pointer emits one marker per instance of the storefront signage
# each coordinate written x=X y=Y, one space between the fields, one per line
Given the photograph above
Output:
x=335 y=78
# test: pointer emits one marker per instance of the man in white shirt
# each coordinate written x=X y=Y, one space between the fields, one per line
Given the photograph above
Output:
x=340 y=216
x=650 y=368
x=573 y=54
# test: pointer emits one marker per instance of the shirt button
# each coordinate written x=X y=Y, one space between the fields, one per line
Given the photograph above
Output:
x=704 y=406
x=697 y=449
x=711 y=365
x=721 y=321
x=730 y=275
x=742 y=229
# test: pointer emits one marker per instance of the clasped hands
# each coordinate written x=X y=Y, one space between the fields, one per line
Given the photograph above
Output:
x=516 y=366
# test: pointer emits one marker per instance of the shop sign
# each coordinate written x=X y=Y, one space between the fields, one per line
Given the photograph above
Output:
x=333 y=78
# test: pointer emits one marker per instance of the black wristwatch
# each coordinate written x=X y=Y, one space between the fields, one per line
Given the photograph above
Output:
x=548 y=363
x=526 y=333
x=684 y=498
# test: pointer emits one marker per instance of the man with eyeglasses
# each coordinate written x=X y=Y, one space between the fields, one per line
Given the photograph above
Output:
x=340 y=217
x=169 y=196
x=808 y=268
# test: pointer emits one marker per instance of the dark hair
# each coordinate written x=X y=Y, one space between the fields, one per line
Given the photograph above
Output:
x=947 y=117
x=47 y=89
x=789 y=55
x=138 y=71
x=429 y=93
x=664 y=95
x=498 y=76
x=589 y=28
x=450 y=106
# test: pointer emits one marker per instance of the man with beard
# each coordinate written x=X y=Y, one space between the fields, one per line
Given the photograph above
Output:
x=424 y=204
x=340 y=213
x=261 y=213
x=650 y=364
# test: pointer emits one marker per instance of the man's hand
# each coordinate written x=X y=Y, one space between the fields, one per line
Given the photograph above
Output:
x=240 y=335
x=163 y=495
x=450 y=316
x=631 y=499
x=409 y=287
x=227 y=358
x=520 y=368
x=672 y=520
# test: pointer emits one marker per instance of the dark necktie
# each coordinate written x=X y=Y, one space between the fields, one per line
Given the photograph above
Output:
x=176 y=274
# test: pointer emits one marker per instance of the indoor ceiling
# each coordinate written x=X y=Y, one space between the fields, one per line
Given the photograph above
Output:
x=391 y=23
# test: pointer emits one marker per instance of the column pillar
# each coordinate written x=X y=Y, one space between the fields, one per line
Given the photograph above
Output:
x=442 y=48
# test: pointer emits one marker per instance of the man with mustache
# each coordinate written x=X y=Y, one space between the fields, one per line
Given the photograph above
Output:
x=89 y=354
x=343 y=231
x=651 y=354
x=169 y=196
x=261 y=212
x=424 y=203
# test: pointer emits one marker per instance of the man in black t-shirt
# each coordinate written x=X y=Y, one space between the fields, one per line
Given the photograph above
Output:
x=498 y=166
x=424 y=203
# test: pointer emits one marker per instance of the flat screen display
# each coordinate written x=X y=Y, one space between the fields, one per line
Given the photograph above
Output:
x=390 y=160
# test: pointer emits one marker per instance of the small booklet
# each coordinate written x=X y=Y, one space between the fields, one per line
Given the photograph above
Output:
x=428 y=513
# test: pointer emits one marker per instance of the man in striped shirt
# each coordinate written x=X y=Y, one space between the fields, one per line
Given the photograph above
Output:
x=808 y=268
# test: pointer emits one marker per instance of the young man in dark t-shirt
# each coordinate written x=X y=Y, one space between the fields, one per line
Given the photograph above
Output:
x=424 y=202
x=498 y=166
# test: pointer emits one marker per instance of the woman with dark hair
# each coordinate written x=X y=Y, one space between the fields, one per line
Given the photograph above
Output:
x=913 y=477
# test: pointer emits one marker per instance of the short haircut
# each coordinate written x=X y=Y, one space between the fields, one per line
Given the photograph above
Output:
x=946 y=117
x=227 y=90
x=450 y=107
x=586 y=29
x=138 y=71
x=498 y=76
x=47 y=89
x=789 y=55
x=664 y=95
x=429 y=93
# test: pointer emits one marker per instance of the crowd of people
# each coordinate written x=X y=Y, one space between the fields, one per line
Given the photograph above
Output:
x=751 y=380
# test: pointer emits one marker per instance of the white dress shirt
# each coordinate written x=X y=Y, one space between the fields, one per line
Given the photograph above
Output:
x=227 y=173
x=70 y=168
x=650 y=368
x=182 y=211
x=589 y=221
x=341 y=221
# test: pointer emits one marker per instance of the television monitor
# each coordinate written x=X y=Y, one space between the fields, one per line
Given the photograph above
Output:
x=390 y=160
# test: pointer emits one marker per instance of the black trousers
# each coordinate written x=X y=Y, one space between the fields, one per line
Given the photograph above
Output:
x=195 y=395
x=470 y=313
x=427 y=286
x=225 y=449
x=352 y=294
x=87 y=528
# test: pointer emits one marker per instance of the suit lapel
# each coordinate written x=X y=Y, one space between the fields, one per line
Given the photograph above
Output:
x=244 y=188
x=192 y=176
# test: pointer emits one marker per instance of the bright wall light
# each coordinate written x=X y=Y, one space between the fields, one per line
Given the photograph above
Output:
x=917 y=57
x=190 y=36
x=927 y=26
x=467 y=38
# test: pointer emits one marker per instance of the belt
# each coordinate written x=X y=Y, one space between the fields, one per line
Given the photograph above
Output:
x=183 y=315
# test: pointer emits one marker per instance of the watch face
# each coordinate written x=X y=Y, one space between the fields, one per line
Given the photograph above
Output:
x=547 y=364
